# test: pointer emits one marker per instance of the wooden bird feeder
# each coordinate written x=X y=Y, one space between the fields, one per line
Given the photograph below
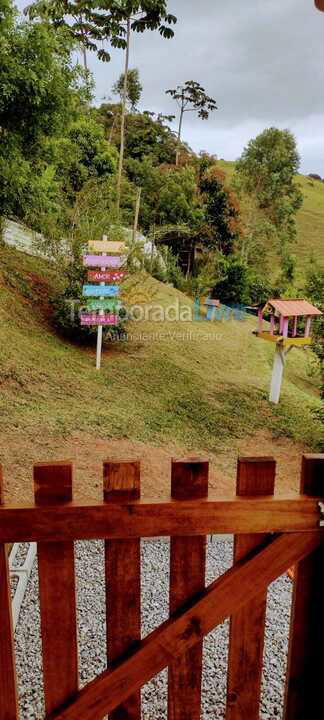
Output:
x=290 y=326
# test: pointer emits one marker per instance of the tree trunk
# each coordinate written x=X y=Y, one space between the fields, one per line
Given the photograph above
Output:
x=179 y=133
x=123 y=115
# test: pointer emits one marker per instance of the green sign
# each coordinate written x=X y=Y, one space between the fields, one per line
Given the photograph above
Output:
x=103 y=304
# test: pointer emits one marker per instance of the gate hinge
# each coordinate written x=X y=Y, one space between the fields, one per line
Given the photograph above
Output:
x=321 y=509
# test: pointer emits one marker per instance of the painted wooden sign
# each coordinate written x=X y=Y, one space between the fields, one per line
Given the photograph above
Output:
x=94 y=319
x=100 y=290
x=106 y=261
x=106 y=304
x=106 y=276
x=107 y=246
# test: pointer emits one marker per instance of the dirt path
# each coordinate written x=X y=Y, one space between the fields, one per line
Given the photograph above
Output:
x=87 y=454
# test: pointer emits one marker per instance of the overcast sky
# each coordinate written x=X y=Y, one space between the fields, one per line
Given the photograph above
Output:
x=262 y=60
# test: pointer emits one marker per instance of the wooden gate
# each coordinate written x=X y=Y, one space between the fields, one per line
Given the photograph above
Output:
x=271 y=535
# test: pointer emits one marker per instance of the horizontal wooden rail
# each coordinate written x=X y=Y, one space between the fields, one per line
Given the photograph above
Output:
x=176 y=636
x=145 y=518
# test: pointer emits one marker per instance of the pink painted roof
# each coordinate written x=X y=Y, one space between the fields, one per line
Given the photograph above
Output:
x=289 y=308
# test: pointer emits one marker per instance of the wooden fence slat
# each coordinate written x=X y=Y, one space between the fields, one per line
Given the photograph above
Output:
x=8 y=689
x=123 y=580
x=82 y=521
x=306 y=647
x=224 y=597
x=189 y=480
x=255 y=477
x=53 y=486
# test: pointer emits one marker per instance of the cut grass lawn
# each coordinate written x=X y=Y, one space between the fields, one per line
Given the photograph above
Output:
x=195 y=384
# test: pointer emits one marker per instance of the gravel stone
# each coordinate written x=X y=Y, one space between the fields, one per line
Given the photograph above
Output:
x=155 y=598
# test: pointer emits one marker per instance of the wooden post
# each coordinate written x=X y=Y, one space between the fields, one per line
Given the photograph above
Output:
x=255 y=477
x=294 y=332
x=136 y=216
x=280 y=324
x=99 y=330
x=189 y=481
x=308 y=324
x=272 y=324
x=8 y=690
x=53 y=486
x=123 y=580
x=285 y=326
x=305 y=659
x=277 y=375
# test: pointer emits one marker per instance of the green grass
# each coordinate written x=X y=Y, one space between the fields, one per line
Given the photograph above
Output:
x=197 y=384
x=310 y=221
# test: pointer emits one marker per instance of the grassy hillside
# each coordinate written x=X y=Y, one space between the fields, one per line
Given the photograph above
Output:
x=310 y=220
x=196 y=384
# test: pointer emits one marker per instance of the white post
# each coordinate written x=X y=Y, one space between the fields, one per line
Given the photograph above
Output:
x=99 y=331
x=277 y=374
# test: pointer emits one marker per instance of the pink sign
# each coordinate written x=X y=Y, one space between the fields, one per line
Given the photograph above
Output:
x=94 y=319
x=106 y=261
x=106 y=276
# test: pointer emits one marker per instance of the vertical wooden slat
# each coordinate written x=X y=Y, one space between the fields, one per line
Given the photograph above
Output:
x=123 y=579
x=8 y=690
x=255 y=476
x=56 y=571
x=189 y=481
x=306 y=646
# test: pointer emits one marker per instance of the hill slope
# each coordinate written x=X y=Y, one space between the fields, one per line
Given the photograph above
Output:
x=197 y=385
x=310 y=220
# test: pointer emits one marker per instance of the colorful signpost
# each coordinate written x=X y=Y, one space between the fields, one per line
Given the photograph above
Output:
x=100 y=291
x=106 y=276
x=95 y=319
x=104 y=261
x=102 y=304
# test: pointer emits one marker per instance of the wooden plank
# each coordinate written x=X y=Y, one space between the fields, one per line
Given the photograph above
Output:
x=106 y=276
x=177 y=635
x=100 y=291
x=104 y=261
x=103 y=320
x=103 y=304
x=189 y=480
x=53 y=485
x=305 y=660
x=123 y=580
x=8 y=689
x=255 y=477
x=146 y=518
x=107 y=246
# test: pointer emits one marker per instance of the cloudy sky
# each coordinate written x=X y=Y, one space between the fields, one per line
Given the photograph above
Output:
x=262 y=60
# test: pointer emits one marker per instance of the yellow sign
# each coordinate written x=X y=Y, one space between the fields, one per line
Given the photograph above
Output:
x=107 y=246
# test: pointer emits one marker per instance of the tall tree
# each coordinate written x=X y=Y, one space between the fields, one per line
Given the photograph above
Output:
x=266 y=171
x=191 y=97
x=92 y=22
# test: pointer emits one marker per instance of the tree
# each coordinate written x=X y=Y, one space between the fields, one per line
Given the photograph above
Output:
x=40 y=95
x=191 y=97
x=221 y=229
x=266 y=171
x=315 y=293
x=134 y=88
x=234 y=287
x=92 y=22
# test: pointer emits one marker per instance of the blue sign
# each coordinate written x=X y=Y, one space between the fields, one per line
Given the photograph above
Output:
x=100 y=291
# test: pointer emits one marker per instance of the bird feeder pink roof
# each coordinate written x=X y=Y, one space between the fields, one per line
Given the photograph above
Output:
x=285 y=321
